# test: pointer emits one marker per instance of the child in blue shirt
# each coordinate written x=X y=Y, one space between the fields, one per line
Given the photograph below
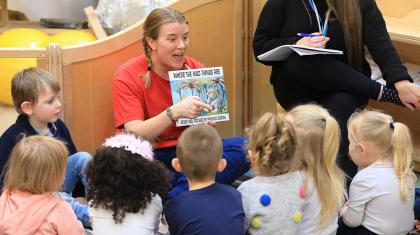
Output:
x=35 y=94
x=208 y=207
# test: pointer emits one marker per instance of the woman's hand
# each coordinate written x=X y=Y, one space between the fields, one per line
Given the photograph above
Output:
x=190 y=108
x=318 y=41
x=409 y=94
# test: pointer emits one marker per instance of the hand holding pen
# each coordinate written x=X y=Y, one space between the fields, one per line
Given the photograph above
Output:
x=316 y=40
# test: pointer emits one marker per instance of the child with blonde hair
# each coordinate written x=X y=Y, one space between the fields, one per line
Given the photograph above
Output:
x=318 y=140
x=381 y=196
x=29 y=203
x=271 y=200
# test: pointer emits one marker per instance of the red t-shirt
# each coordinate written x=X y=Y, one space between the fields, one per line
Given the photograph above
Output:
x=133 y=101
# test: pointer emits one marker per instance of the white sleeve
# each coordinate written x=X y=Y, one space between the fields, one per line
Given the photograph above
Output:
x=359 y=196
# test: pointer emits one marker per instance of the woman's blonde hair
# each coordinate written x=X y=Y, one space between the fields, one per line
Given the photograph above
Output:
x=318 y=140
x=272 y=142
x=151 y=29
x=393 y=138
x=37 y=165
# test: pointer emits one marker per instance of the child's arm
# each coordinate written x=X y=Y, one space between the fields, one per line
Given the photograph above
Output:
x=359 y=196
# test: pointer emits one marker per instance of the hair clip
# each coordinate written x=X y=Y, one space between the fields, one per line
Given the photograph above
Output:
x=391 y=124
x=131 y=143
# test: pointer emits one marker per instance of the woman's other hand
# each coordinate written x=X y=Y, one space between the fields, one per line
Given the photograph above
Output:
x=190 y=108
x=409 y=94
x=316 y=41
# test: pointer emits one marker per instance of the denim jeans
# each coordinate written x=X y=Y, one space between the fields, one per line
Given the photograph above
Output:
x=75 y=172
x=234 y=152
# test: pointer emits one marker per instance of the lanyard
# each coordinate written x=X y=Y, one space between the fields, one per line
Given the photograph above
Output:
x=322 y=28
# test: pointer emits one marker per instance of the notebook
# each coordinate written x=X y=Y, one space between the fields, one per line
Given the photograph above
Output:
x=282 y=52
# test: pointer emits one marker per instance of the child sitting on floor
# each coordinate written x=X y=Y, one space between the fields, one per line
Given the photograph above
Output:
x=35 y=95
x=208 y=207
x=381 y=196
x=271 y=200
x=29 y=203
x=318 y=140
x=124 y=187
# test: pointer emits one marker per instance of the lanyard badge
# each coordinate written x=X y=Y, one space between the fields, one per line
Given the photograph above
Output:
x=323 y=28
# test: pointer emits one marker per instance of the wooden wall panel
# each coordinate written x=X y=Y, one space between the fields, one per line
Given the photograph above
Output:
x=262 y=93
x=88 y=99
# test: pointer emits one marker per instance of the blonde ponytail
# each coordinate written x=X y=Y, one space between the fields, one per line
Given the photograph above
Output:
x=318 y=136
x=403 y=156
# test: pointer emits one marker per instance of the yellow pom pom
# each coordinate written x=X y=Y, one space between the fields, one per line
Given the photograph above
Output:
x=256 y=222
x=297 y=217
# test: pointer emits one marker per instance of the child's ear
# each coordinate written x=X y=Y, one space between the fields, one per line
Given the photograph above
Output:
x=222 y=165
x=176 y=165
x=26 y=107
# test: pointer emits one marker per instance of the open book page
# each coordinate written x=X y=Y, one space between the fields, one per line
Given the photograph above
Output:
x=283 y=52
x=206 y=83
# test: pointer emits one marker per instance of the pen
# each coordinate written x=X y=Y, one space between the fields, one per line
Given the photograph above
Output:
x=308 y=35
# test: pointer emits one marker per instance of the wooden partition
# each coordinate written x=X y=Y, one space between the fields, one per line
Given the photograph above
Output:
x=86 y=71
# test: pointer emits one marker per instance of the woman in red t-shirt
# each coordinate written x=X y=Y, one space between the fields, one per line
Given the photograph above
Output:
x=142 y=95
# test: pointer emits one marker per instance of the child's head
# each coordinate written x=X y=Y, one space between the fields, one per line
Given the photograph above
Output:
x=34 y=92
x=271 y=146
x=318 y=137
x=374 y=136
x=199 y=153
x=37 y=165
x=123 y=176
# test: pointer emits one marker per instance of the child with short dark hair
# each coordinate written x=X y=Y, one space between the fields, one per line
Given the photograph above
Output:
x=36 y=98
x=29 y=203
x=124 y=187
x=208 y=207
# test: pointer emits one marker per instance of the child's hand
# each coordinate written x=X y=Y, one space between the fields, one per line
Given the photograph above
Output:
x=344 y=208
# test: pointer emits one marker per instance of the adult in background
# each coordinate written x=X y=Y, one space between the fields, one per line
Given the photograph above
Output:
x=340 y=83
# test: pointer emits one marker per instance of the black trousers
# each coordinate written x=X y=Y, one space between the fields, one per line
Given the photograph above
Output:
x=345 y=230
x=329 y=82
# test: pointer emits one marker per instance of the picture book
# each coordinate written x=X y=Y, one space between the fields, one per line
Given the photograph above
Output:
x=206 y=83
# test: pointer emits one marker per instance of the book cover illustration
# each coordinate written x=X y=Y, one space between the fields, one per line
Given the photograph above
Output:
x=206 y=83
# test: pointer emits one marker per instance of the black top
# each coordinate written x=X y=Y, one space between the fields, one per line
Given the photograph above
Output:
x=216 y=209
x=22 y=128
x=281 y=20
